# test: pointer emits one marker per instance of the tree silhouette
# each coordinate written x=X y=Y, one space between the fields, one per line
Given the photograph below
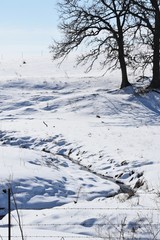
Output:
x=147 y=17
x=102 y=26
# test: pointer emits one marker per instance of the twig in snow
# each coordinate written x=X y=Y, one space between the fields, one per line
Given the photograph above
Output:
x=77 y=197
x=19 y=219
x=45 y=124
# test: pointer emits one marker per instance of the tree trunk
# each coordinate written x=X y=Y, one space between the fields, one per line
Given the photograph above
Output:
x=123 y=67
x=155 y=83
x=125 y=82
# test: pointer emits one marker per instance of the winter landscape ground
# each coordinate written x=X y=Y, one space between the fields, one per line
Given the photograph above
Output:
x=81 y=156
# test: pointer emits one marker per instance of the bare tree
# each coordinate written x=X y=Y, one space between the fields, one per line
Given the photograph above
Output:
x=102 y=26
x=147 y=17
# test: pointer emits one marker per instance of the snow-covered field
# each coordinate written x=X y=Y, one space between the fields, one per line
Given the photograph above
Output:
x=81 y=156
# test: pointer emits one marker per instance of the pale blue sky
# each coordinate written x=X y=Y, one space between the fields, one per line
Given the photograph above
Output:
x=27 y=26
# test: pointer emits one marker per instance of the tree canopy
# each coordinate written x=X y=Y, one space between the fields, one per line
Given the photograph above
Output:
x=108 y=28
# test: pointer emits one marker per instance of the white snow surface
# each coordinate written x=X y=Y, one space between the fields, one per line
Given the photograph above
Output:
x=81 y=156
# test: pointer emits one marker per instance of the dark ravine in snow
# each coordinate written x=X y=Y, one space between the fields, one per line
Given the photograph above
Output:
x=123 y=187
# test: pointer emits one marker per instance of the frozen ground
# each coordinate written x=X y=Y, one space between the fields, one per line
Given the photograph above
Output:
x=81 y=156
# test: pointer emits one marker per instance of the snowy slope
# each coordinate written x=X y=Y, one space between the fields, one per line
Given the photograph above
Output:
x=80 y=155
